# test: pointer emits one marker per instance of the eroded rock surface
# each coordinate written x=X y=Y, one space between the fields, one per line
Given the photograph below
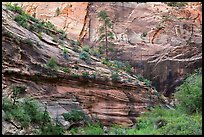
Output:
x=24 y=63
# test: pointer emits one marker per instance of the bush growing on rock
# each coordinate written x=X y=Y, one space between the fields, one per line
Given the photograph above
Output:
x=27 y=113
x=189 y=94
x=115 y=76
x=84 y=56
x=177 y=4
x=52 y=63
x=85 y=75
x=74 y=115
x=86 y=49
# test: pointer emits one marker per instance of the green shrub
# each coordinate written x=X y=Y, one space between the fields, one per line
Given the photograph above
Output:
x=85 y=75
x=52 y=63
x=28 y=41
x=50 y=129
x=128 y=67
x=189 y=94
x=65 y=69
x=118 y=64
x=177 y=4
x=172 y=122
x=14 y=8
x=146 y=81
x=17 y=90
x=21 y=21
x=93 y=76
x=107 y=62
x=7 y=104
x=63 y=34
x=74 y=115
x=65 y=51
x=76 y=49
x=31 y=106
x=115 y=76
x=21 y=116
x=84 y=56
x=75 y=75
x=75 y=43
x=93 y=129
x=86 y=48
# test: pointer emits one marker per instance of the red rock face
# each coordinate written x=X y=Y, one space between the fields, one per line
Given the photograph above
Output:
x=68 y=16
x=110 y=106
x=26 y=63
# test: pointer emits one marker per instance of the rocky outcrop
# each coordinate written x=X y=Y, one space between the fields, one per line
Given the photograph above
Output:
x=148 y=31
x=25 y=59
x=68 y=16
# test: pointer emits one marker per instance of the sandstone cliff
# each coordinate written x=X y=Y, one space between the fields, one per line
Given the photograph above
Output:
x=143 y=32
x=73 y=83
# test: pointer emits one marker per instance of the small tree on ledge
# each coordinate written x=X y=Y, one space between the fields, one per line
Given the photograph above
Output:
x=106 y=31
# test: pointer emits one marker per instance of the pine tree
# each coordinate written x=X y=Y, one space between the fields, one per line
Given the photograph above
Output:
x=106 y=31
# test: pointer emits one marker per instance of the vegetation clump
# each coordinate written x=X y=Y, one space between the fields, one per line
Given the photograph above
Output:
x=85 y=56
x=177 y=4
x=189 y=94
x=74 y=115
x=52 y=63
x=115 y=76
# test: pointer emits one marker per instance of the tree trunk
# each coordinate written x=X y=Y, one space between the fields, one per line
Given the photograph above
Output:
x=106 y=41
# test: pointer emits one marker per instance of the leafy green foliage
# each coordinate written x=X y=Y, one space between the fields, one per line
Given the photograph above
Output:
x=115 y=76
x=86 y=48
x=190 y=93
x=177 y=4
x=85 y=75
x=28 y=113
x=50 y=129
x=93 y=129
x=118 y=64
x=74 y=115
x=84 y=56
x=7 y=105
x=65 y=69
x=16 y=91
x=25 y=20
x=146 y=81
x=106 y=62
x=28 y=41
x=14 y=7
x=75 y=43
x=21 y=20
x=52 y=63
